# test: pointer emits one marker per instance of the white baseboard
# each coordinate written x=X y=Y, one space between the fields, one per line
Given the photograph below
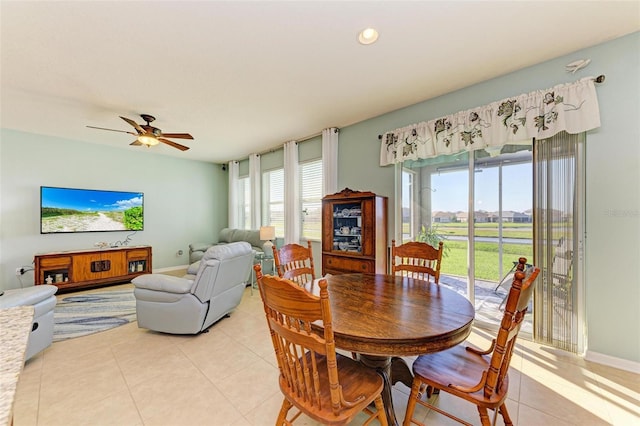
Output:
x=611 y=361
x=170 y=268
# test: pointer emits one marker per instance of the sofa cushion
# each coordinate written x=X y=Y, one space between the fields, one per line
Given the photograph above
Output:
x=225 y=235
x=232 y=235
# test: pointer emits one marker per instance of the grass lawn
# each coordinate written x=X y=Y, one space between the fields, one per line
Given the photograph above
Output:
x=454 y=261
x=509 y=230
x=486 y=258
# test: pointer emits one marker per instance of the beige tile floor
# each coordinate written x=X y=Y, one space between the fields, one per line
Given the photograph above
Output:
x=228 y=376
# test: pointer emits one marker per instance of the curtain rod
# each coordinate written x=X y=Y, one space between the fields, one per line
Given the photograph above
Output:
x=598 y=79
x=306 y=138
x=275 y=148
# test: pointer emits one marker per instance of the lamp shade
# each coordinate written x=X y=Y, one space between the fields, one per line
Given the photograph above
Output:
x=267 y=233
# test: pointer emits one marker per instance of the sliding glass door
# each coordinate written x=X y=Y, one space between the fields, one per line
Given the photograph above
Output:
x=481 y=205
x=434 y=206
x=502 y=227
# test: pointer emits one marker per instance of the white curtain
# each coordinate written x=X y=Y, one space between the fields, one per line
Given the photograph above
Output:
x=330 y=160
x=571 y=107
x=234 y=206
x=291 y=194
x=256 y=190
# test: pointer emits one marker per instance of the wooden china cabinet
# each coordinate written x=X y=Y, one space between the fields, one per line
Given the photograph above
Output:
x=354 y=233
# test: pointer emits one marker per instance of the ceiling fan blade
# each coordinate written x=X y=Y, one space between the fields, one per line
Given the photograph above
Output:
x=134 y=124
x=112 y=130
x=136 y=143
x=173 y=144
x=177 y=135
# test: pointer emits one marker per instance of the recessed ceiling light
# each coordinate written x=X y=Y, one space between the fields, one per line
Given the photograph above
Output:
x=368 y=36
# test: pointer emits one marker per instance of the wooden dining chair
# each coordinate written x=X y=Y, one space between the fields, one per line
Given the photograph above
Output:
x=416 y=260
x=479 y=377
x=326 y=386
x=295 y=262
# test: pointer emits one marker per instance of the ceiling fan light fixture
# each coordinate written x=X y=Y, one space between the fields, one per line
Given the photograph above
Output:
x=147 y=135
x=368 y=36
x=148 y=140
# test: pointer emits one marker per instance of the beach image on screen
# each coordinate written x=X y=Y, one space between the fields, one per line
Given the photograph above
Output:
x=86 y=210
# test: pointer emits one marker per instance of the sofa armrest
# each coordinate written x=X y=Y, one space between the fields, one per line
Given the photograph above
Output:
x=161 y=282
x=199 y=246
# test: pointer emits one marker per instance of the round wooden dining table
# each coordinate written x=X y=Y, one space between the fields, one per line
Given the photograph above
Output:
x=384 y=317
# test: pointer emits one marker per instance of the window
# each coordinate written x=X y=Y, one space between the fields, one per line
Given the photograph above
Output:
x=311 y=199
x=408 y=215
x=273 y=199
x=244 y=199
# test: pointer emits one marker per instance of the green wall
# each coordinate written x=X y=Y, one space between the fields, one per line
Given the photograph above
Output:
x=184 y=201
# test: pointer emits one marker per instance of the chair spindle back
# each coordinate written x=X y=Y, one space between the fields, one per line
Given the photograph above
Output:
x=295 y=262
x=300 y=352
x=416 y=260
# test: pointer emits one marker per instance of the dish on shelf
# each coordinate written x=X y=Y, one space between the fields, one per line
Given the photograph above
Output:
x=343 y=245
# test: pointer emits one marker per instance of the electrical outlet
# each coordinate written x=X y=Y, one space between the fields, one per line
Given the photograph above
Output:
x=18 y=272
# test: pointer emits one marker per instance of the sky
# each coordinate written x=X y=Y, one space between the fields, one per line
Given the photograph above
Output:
x=89 y=200
x=450 y=189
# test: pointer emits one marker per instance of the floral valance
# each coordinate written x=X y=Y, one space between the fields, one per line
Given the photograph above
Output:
x=571 y=107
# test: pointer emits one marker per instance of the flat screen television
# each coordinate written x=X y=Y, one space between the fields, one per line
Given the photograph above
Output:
x=66 y=210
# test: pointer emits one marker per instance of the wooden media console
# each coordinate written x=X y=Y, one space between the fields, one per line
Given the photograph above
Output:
x=71 y=270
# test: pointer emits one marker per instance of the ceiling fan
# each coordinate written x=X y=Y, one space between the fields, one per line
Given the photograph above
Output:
x=149 y=135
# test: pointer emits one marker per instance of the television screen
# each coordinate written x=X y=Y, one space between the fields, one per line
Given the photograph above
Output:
x=64 y=210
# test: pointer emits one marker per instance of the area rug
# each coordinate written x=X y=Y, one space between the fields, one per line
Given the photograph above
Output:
x=83 y=314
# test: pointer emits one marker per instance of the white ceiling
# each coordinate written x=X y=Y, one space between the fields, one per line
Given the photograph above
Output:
x=244 y=77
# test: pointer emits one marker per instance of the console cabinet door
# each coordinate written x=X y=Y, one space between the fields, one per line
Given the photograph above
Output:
x=97 y=266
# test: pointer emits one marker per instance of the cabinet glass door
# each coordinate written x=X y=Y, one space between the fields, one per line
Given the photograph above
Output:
x=347 y=227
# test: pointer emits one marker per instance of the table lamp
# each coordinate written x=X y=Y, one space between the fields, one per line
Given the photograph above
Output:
x=268 y=233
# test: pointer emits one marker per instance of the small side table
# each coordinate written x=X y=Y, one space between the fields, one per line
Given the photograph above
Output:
x=261 y=258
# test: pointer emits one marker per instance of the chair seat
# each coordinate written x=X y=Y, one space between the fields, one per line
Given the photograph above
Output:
x=459 y=367
x=356 y=381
